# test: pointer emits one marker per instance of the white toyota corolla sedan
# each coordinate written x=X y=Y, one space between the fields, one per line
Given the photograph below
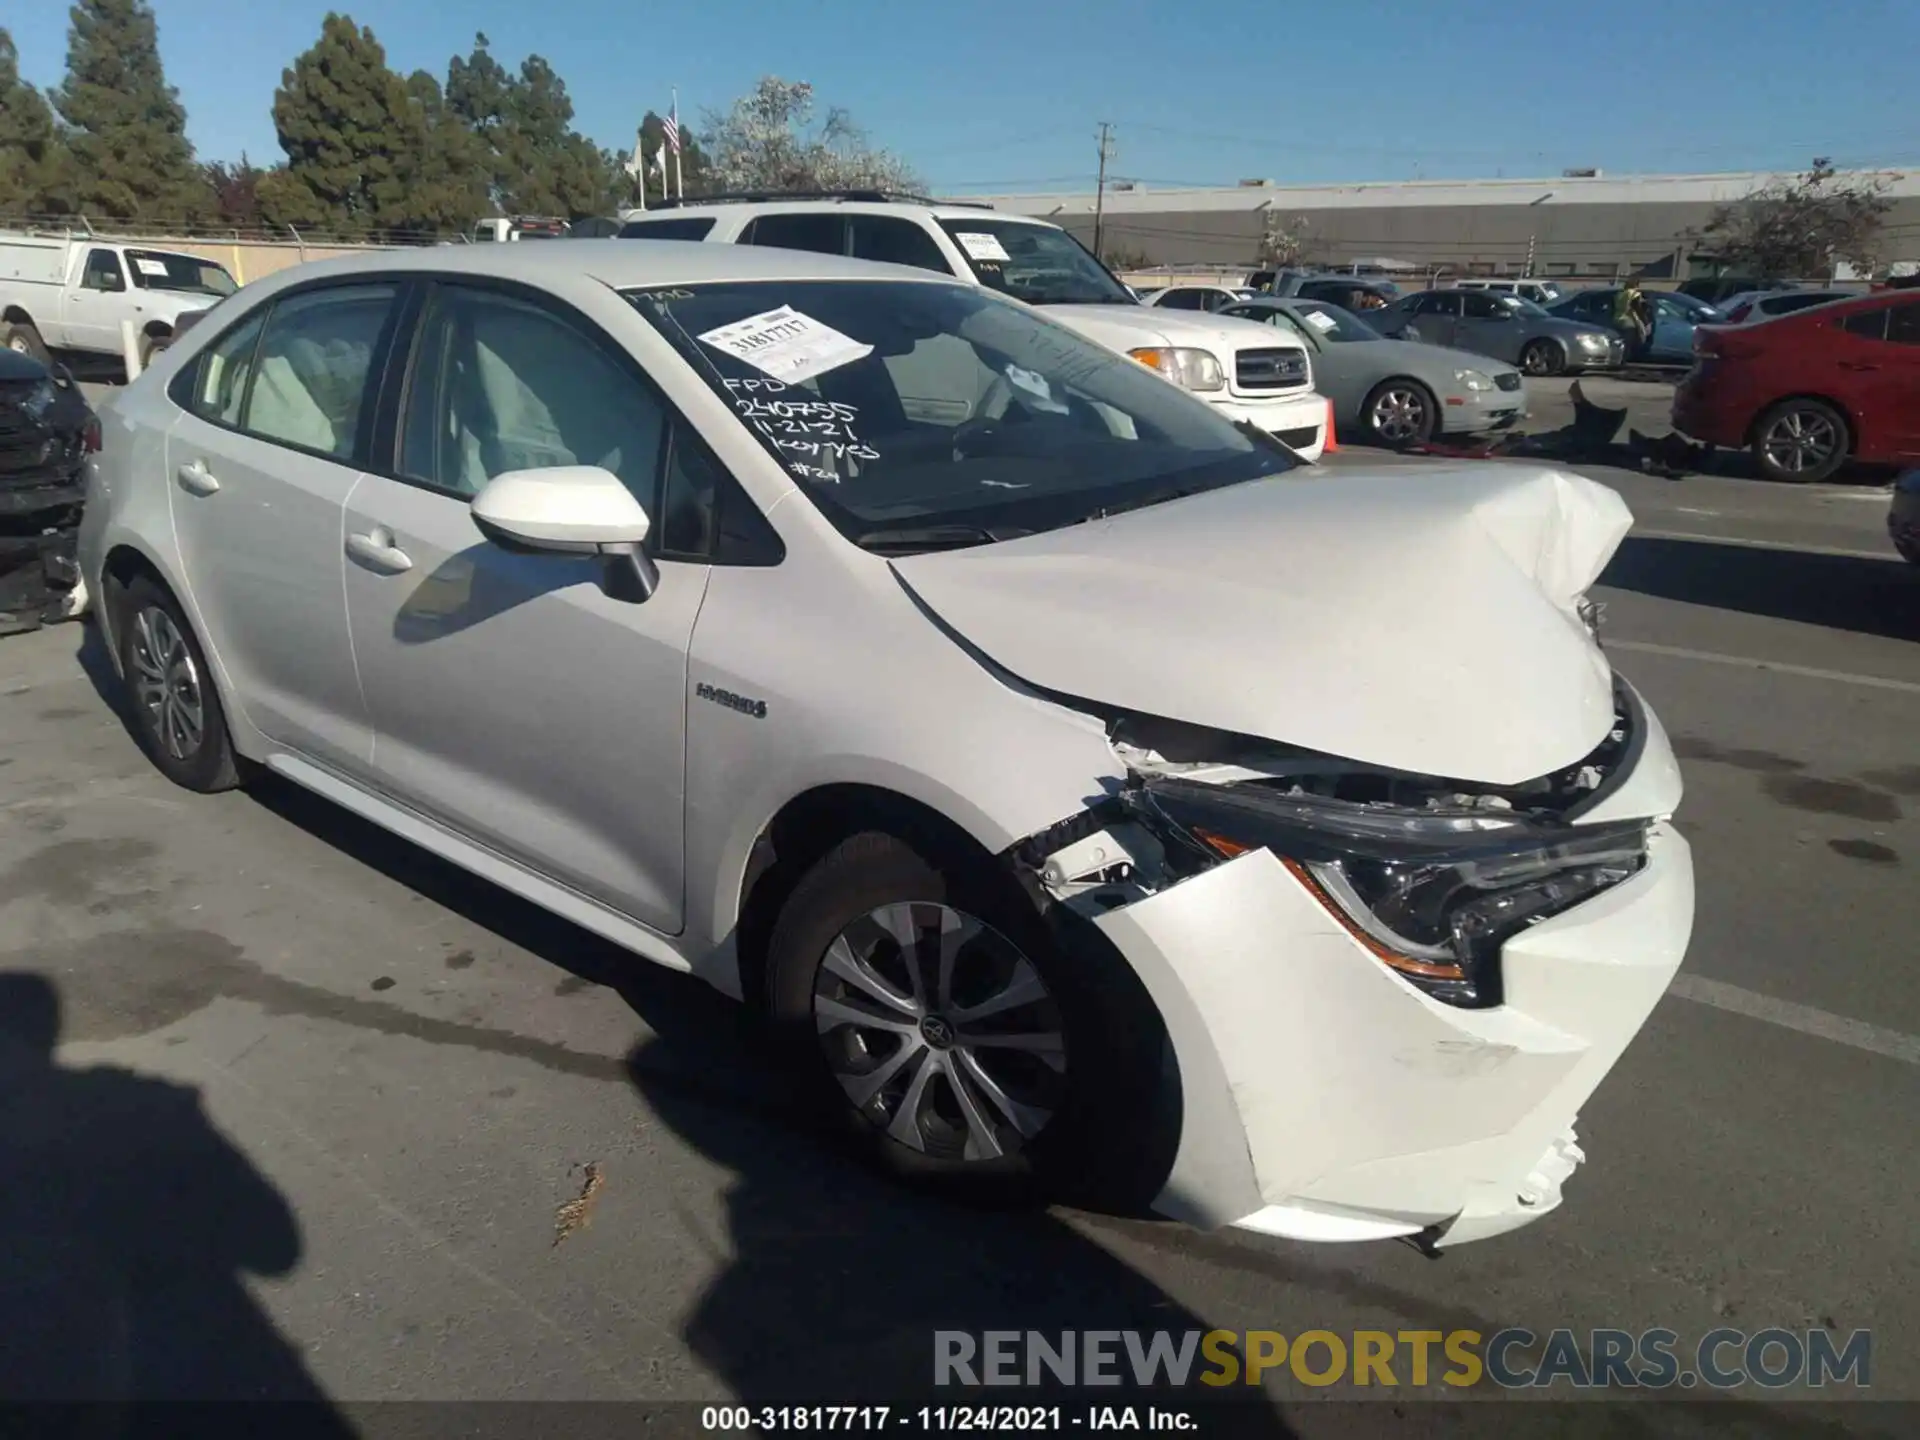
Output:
x=1086 y=789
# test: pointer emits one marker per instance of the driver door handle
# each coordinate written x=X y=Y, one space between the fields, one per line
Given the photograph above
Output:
x=377 y=551
x=195 y=476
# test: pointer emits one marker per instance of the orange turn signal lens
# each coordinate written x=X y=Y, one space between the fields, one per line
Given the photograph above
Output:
x=1393 y=959
x=1220 y=844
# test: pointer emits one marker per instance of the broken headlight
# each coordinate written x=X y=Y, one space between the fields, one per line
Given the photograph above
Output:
x=1432 y=892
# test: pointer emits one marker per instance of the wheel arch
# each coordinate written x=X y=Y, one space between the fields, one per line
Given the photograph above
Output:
x=799 y=834
x=17 y=315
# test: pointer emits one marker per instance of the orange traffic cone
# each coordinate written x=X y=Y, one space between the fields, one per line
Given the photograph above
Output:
x=1333 y=437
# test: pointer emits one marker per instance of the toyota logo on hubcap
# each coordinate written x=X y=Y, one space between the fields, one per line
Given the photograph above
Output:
x=938 y=1032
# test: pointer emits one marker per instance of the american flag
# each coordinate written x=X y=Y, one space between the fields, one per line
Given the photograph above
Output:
x=670 y=129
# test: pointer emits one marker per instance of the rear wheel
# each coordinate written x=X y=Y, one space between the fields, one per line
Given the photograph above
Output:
x=1543 y=357
x=940 y=1026
x=1400 y=412
x=176 y=711
x=1800 y=441
x=23 y=338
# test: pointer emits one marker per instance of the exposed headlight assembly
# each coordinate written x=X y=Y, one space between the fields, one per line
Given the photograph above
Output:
x=1473 y=379
x=1433 y=892
x=1194 y=369
x=1591 y=341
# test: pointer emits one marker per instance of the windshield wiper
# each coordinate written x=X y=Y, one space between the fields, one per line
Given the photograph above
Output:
x=914 y=540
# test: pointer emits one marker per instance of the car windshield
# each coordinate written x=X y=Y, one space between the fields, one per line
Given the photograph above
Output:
x=189 y=274
x=1330 y=322
x=924 y=416
x=1035 y=263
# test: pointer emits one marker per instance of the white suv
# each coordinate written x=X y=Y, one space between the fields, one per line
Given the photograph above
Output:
x=1241 y=368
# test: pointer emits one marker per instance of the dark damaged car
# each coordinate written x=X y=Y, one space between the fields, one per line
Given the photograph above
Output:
x=46 y=433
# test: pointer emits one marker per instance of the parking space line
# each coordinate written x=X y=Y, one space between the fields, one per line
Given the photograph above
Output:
x=1752 y=544
x=1822 y=1024
x=1809 y=672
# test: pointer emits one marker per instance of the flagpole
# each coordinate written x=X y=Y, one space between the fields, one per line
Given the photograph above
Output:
x=679 y=183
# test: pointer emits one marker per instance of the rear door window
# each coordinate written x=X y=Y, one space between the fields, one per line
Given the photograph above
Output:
x=314 y=363
x=893 y=241
x=813 y=230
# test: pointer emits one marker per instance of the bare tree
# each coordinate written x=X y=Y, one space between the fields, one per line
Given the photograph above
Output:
x=1803 y=226
x=767 y=141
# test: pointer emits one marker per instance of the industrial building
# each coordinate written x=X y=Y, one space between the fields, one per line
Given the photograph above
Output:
x=1583 y=223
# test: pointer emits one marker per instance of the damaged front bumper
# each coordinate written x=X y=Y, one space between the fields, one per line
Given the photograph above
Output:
x=42 y=486
x=1333 y=1085
x=1324 y=1098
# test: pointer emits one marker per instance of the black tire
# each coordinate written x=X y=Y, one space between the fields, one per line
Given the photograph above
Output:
x=1800 y=442
x=1411 y=421
x=1543 y=357
x=1111 y=1062
x=24 y=336
x=155 y=670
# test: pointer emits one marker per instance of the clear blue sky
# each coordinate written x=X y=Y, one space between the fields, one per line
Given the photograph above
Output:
x=1007 y=94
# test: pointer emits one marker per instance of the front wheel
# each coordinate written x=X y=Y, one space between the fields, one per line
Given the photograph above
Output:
x=940 y=1026
x=1398 y=413
x=1800 y=441
x=1543 y=357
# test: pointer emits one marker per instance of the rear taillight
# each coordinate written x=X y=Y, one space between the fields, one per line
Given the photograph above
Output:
x=90 y=435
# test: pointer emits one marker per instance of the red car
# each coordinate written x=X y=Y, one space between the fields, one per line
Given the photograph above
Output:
x=1812 y=390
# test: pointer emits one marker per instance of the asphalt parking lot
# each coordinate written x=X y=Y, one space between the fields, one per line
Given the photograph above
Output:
x=407 y=1076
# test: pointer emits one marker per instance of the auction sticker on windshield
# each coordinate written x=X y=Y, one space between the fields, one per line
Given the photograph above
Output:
x=785 y=344
x=1320 y=320
x=981 y=246
x=150 y=267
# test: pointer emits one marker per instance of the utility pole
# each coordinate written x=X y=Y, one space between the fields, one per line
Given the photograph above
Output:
x=1100 y=190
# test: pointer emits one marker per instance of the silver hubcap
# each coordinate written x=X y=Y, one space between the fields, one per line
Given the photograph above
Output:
x=1538 y=359
x=1399 y=414
x=166 y=684
x=1801 y=440
x=941 y=1033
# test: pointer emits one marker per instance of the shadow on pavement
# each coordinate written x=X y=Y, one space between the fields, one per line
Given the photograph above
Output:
x=126 y=1223
x=1839 y=592
x=834 y=1279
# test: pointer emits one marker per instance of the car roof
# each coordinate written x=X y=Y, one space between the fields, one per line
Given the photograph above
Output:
x=619 y=264
x=986 y=214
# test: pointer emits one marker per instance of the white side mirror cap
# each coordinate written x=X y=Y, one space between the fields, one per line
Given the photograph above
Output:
x=570 y=508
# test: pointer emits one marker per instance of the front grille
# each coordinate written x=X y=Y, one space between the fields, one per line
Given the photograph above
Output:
x=1508 y=380
x=1270 y=369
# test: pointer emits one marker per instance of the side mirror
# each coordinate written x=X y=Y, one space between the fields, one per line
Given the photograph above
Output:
x=571 y=510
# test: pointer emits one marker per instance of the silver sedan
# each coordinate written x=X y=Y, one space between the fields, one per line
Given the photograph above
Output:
x=1394 y=392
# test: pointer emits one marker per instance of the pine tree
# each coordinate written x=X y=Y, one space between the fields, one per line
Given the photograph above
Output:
x=538 y=163
x=366 y=150
x=31 y=152
x=128 y=136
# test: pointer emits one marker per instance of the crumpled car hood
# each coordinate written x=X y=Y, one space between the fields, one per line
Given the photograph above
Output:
x=1421 y=620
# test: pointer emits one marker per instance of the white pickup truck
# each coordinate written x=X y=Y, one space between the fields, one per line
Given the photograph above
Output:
x=71 y=293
